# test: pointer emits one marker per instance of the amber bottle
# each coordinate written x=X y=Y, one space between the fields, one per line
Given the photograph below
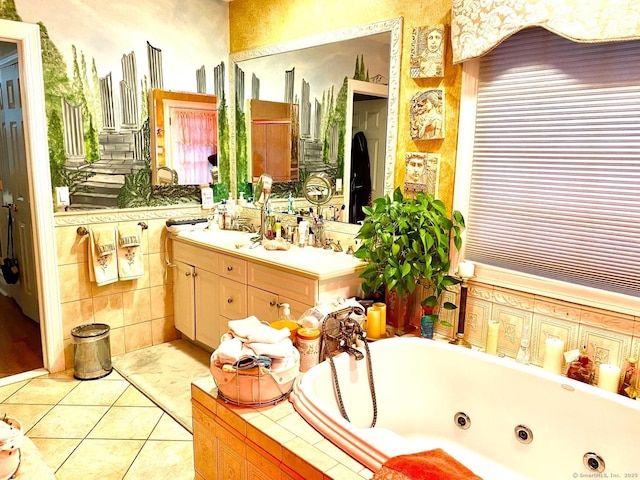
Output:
x=629 y=385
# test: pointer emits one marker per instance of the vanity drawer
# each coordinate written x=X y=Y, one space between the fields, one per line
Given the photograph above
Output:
x=232 y=268
x=283 y=283
x=233 y=299
x=196 y=256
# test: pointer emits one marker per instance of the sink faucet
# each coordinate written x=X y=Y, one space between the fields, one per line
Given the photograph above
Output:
x=172 y=172
x=331 y=244
x=263 y=192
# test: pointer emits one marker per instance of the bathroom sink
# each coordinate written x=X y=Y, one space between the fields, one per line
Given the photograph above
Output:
x=317 y=261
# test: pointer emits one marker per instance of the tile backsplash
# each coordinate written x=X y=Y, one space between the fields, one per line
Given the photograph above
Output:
x=140 y=311
x=609 y=336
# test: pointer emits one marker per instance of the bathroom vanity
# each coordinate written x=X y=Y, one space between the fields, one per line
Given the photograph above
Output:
x=218 y=277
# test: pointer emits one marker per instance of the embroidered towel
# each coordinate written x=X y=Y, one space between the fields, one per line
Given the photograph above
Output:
x=130 y=255
x=103 y=266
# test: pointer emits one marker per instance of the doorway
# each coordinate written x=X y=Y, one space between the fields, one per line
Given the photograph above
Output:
x=19 y=310
x=367 y=112
x=33 y=196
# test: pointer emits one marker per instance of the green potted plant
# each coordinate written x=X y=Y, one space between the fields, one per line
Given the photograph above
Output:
x=406 y=242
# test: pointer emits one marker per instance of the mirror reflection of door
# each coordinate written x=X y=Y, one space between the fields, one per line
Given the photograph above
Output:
x=366 y=113
x=20 y=346
x=273 y=140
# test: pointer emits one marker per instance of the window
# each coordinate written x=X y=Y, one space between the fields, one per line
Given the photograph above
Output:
x=548 y=172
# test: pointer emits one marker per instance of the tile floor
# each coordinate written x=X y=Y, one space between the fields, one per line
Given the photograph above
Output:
x=99 y=429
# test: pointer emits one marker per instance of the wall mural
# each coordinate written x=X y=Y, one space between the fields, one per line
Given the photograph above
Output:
x=99 y=61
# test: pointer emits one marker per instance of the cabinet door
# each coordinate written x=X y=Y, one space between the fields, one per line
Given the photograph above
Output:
x=262 y=304
x=207 y=296
x=266 y=305
x=184 y=299
x=233 y=299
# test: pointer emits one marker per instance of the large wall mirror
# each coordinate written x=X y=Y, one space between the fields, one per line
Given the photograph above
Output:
x=349 y=76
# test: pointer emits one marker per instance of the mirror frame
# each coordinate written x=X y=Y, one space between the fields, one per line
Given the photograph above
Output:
x=393 y=26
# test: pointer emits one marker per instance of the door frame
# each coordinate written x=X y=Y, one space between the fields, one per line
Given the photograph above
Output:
x=27 y=38
x=367 y=88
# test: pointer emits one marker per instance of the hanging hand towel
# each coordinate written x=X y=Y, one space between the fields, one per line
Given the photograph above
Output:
x=103 y=265
x=130 y=255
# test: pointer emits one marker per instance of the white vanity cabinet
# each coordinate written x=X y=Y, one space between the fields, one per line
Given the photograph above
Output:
x=213 y=285
x=201 y=295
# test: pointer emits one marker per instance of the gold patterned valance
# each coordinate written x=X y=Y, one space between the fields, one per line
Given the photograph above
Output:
x=477 y=26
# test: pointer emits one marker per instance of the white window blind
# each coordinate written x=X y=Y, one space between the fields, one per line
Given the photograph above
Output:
x=555 y=182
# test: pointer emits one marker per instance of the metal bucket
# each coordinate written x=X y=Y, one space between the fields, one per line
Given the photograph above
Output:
x=91 y=351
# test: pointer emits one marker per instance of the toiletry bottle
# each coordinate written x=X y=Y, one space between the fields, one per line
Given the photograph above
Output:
x=581 y=369
x=308 y=343
x=524 y=353
x=629 y=383
x=241 y=201
x=290 y=204
x=222 y=215
x=286 y=313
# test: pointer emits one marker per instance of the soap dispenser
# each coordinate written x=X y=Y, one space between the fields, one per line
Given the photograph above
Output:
x=581 y=369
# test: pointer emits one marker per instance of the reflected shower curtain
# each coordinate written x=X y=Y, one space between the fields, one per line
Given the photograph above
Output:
x=195 y=142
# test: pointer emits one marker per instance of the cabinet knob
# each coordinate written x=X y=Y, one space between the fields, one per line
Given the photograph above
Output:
x=229 y=300
x=273 y=303
x=229 y=268
x=195 y=274
x=187 y=274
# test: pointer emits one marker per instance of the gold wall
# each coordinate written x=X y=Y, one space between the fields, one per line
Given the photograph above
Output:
x=256 y=23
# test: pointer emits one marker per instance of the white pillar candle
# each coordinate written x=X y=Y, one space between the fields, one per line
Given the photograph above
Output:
x=609 y=377
x=493 y=329
x=553 y=355
x=466 y=269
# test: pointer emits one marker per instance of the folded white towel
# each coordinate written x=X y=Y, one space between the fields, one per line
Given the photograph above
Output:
x=282 y=349
x=103 y=265
x=130 y=254
x=229 y=351
x=282 y=364
x=252 y=330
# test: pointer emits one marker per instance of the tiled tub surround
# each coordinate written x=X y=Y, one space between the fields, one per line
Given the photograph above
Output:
x=610 y=337
x=270 y=442
x=496 y=394
x=139 y=312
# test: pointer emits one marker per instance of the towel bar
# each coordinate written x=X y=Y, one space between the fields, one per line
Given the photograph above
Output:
x=85 y=231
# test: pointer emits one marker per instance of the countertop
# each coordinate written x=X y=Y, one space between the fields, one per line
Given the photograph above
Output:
x=316 y=263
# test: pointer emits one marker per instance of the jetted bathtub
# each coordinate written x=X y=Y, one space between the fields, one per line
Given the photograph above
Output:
x=501 y=419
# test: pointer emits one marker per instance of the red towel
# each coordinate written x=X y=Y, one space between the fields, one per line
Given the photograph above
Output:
x=430 y=465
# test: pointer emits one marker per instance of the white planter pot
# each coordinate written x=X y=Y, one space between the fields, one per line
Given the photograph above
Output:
x=11 y=436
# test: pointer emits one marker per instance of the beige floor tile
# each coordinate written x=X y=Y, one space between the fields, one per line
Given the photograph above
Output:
x=113 y=375
x=68 y=421
x=96 y=392
x=28 y=415
x=43 y=391
x=68 y=373
x=127 y=423
x=100 y=460
x=7 y=390
x=132 y=397
x=169 y=429
x=55 y=451
x=163 y=460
